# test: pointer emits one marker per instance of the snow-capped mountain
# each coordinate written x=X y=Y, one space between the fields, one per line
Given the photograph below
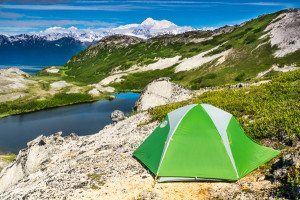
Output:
x=60 y=44
x=146 y=29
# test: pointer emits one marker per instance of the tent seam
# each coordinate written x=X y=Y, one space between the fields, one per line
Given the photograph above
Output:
x=232 y=161
x=168 y=142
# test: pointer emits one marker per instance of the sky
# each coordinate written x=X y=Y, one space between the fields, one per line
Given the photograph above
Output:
x=23 y=16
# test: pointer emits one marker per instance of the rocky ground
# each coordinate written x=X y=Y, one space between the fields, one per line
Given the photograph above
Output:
x=101 y=166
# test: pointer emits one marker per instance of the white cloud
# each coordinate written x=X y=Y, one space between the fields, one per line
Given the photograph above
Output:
x=22 y=26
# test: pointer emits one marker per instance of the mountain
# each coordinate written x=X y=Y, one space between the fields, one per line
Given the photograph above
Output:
x=59 y=44
x=195 y=59
x=148 y=28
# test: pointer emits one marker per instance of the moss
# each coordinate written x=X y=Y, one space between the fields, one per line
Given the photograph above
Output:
x=97 y=180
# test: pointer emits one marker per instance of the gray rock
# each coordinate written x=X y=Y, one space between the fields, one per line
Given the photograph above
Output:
x=117 y=116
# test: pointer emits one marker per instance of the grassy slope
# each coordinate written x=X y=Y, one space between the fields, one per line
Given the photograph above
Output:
x=97 y=67
x=264 y=111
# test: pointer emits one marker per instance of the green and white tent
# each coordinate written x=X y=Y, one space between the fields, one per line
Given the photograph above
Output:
x=201 y=142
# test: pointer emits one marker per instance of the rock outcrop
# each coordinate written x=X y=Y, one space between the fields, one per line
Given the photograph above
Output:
x=13 y=82
x=58 y=85
x=161 y=92
x=284 y=32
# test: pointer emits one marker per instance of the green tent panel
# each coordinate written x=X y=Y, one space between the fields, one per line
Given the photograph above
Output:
x=201 y=142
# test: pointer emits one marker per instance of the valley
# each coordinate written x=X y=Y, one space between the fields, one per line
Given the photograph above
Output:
x=245 y=53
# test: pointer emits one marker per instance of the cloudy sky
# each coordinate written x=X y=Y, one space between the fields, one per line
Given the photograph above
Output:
x=21 y=16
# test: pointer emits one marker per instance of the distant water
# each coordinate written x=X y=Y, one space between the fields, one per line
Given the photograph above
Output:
x=33 y=69
x=82 y=119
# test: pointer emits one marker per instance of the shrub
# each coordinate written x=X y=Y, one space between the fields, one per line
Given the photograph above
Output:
x=240 y=77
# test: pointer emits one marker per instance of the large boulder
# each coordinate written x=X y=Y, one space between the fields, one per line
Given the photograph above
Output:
x=117 y=116
x=161 y=92
x=29 y=160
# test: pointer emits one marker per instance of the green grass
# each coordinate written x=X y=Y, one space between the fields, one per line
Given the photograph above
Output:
x=60 y=99
x=8 y=157
x=264 y=111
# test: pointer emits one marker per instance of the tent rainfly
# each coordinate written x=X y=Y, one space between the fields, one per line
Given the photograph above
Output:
x=201 y=142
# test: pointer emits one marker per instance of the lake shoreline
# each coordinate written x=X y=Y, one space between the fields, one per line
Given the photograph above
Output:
x=82 y=118
x=53 y=107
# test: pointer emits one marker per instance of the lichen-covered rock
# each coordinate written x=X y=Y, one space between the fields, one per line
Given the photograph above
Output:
x=161 y=92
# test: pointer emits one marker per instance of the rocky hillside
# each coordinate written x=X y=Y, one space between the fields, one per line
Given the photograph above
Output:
x=193 y=59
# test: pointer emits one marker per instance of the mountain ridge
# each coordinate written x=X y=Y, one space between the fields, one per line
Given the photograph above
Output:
x=148 y=28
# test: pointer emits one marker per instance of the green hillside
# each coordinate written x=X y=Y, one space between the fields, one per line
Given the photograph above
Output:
x=243 y=63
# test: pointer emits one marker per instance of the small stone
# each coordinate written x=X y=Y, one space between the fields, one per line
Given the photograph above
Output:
x=143 y=177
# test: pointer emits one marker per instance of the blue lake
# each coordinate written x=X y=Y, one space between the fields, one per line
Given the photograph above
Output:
x=82 y=119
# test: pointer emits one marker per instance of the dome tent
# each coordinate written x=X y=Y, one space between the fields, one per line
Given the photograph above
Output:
x=201 y=142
